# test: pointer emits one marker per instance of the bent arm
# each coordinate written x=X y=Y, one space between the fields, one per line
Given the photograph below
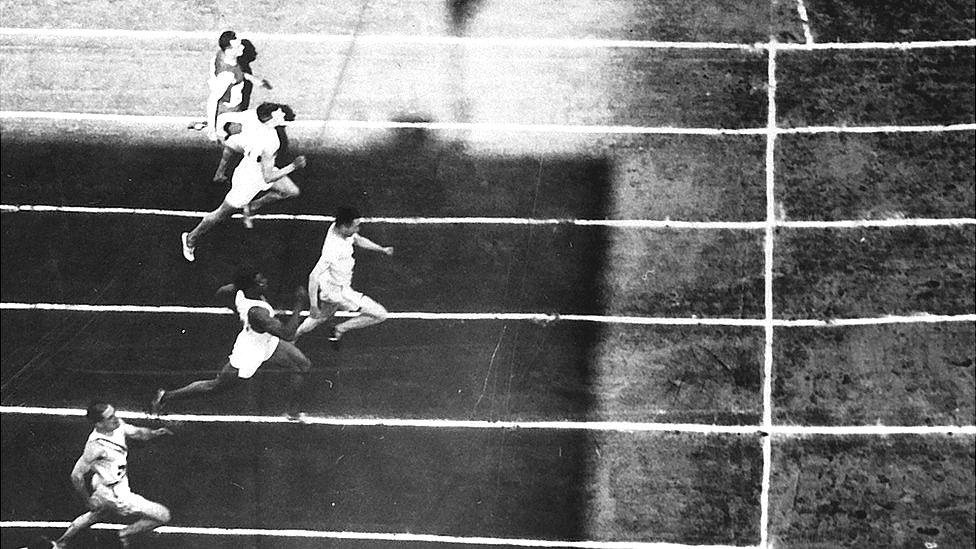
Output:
x=264 y=322
x=81 y=468
x=145 y=433
x=368 y=244
x=271 y=173
x=258 y=80
x=227 y=292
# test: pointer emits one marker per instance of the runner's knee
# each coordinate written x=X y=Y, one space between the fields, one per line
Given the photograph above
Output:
x=379 y=313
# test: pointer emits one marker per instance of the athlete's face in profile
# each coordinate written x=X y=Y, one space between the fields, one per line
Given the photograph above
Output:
x=348 y=230
x=236 y=48
x=277 y=117
x=109 y=420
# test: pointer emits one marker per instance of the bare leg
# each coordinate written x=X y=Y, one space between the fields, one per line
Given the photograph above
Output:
x=309 y=324
x=226 y=154
x=154 y=518
x=225 y=379
x=231 y=147
x=372 y=313
x=283 y=189
x=79 y=524
x=209 y=221
x=292 y=359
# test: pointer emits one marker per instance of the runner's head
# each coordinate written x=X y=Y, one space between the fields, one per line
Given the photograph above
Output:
x=250 y=280
x=102 y=415
x=229 y=42
x=277 y=113
x=347 y=221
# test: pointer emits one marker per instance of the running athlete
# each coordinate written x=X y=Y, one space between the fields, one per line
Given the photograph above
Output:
x=231 y=84
x=259 y=141
x=231 y=69
x=330 y=282
x=262 y=340
x=108 y=493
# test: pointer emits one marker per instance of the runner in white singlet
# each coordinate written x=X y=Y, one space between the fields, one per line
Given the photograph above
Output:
x=105 y=460
x=263 y=339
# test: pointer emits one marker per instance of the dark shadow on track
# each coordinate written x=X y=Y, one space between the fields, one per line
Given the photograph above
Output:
x=106 y=259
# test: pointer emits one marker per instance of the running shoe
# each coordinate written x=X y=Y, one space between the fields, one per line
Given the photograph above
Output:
x=188 y=250
x=246 y=217
x=157 y=402
x=334 y=338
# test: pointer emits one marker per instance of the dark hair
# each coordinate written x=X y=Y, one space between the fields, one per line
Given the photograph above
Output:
x=248 y=57
x=265 y=109
x=244 y=279
x=225 y=38
x=96 y=411
x=345 y=215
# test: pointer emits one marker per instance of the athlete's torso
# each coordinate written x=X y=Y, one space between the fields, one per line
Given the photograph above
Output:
x=110 y=467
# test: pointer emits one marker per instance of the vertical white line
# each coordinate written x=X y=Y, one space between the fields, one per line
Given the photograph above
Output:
x=767 y=419
x=802 y=9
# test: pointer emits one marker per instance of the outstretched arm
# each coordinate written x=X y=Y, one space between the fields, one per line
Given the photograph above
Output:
x=227 y=293
x=145 y=433
x=368 y=244
x=259 y=81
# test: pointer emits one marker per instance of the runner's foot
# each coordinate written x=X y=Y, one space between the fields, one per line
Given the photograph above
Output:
x=157 y=403
x=334 y=338
x=299 y=417
x=246 y=215
x=187 y=249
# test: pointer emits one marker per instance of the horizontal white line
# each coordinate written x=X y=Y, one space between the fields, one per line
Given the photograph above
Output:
x=622 y=223
x=181 y=121
x=921 y=44
x=921 y=318
x=618 y=223
x=390 y=124
x=380 y=536
x=587 y=43
x=618 y=426
x=879 y=129
x=594 y=43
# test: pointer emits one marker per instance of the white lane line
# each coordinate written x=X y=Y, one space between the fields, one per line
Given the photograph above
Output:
x=587 y=43
x=769 y=317
x=182 y=121
x=501 y=127
x=802 y=10
x=395 y=39
x=925 y=44
x=382 y=536
x=616 y=223
x=542 y=318
x=615 y=426
x=932 y=128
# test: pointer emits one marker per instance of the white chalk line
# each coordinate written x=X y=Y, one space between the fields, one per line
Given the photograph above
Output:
x=382 y=536
x=769 y=316
x=182 y=121
x=586 y=43
x=541 y=318
x=801 y=9
x=609 y=426
x=616 y=223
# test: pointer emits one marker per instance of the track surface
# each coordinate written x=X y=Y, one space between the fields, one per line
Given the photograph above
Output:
x=537 y=484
